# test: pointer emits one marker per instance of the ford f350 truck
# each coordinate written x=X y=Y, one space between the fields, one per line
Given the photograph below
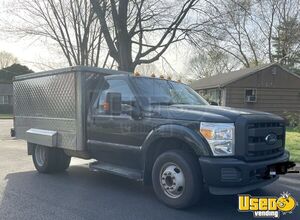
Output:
x=148 y=129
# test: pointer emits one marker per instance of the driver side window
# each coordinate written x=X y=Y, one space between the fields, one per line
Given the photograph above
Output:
x=120 y=86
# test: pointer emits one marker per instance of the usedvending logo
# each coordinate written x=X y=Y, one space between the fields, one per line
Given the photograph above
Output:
x=266 y=207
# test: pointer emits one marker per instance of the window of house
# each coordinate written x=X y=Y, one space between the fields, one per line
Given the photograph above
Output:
x=213 y=96
x=4 y=99
x=250 y=95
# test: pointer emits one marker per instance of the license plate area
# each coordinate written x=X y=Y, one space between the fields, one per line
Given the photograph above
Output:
x=281 y=168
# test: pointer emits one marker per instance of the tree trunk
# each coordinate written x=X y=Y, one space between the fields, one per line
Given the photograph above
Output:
x=124 y=52
x=124 y=40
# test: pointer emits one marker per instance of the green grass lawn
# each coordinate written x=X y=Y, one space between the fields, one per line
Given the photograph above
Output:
x=6 y=116
x=293 y=144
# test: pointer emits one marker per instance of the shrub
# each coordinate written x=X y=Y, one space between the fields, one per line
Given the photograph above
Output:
x=293 y=119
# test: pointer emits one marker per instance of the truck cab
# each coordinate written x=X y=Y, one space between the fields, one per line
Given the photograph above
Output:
x=163 y=133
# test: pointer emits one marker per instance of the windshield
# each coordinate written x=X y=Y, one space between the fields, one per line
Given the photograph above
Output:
x=163 y=92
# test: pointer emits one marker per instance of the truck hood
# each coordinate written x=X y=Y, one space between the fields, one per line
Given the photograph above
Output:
x=207 y=113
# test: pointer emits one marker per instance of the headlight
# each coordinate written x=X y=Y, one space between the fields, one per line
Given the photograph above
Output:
x=220 y=137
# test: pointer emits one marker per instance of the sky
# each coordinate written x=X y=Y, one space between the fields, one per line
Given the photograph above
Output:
x=39 y=54
x=28 y=51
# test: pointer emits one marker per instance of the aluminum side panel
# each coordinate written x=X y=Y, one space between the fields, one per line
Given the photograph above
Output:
x=57 y=100
x=49 y=103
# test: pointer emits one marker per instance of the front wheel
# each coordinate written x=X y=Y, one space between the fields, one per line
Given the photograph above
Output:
x=176 y=179
x=49 y=160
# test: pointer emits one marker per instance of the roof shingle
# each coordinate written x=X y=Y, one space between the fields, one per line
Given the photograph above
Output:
x=222 y=80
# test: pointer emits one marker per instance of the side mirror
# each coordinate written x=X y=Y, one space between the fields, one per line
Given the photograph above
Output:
x=213 y=103
x=113 y=103
x=135 y=114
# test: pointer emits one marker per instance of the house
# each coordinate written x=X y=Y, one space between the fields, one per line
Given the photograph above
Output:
x=6 y=87
x=269 y=88
x=6 y=98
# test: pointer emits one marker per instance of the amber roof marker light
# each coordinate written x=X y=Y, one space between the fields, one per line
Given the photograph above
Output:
x=137 y=74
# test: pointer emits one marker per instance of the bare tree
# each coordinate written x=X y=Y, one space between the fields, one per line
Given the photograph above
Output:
x=266 y=18
x=147 y=69
x=141 y=30
x=7 y=59
x=243 y=29
x=71 y=24
x=230 y=28
x=287 y=43
x=209 y=62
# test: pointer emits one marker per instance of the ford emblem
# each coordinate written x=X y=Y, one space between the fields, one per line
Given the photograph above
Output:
x=271 y=139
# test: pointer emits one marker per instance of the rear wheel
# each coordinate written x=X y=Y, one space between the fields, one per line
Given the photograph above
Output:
x=177 y=179
x=48 y=160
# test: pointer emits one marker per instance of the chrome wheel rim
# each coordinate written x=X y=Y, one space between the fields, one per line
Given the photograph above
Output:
x=172 y=180
x=40 y=155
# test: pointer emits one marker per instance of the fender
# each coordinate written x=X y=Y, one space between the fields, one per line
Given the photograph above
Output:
x=195 y=140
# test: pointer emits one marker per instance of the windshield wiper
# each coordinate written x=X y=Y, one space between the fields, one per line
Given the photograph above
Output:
x=182 y=103
x=162 y=103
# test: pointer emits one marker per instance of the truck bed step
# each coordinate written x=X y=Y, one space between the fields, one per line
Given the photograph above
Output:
x=117 y=170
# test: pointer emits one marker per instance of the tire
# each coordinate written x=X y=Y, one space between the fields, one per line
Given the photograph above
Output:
x=50 y=160
x=176 y=179
x=63 y=160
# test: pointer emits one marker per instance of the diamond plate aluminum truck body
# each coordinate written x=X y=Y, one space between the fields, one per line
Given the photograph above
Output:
x=55 y=101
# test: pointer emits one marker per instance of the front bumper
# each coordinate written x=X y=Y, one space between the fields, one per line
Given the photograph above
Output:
x=231 y=176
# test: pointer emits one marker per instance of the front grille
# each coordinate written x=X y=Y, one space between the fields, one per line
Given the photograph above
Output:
x=265 y=125
x=257 y=146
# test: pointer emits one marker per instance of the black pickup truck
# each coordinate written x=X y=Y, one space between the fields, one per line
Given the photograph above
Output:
x=150 y=129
